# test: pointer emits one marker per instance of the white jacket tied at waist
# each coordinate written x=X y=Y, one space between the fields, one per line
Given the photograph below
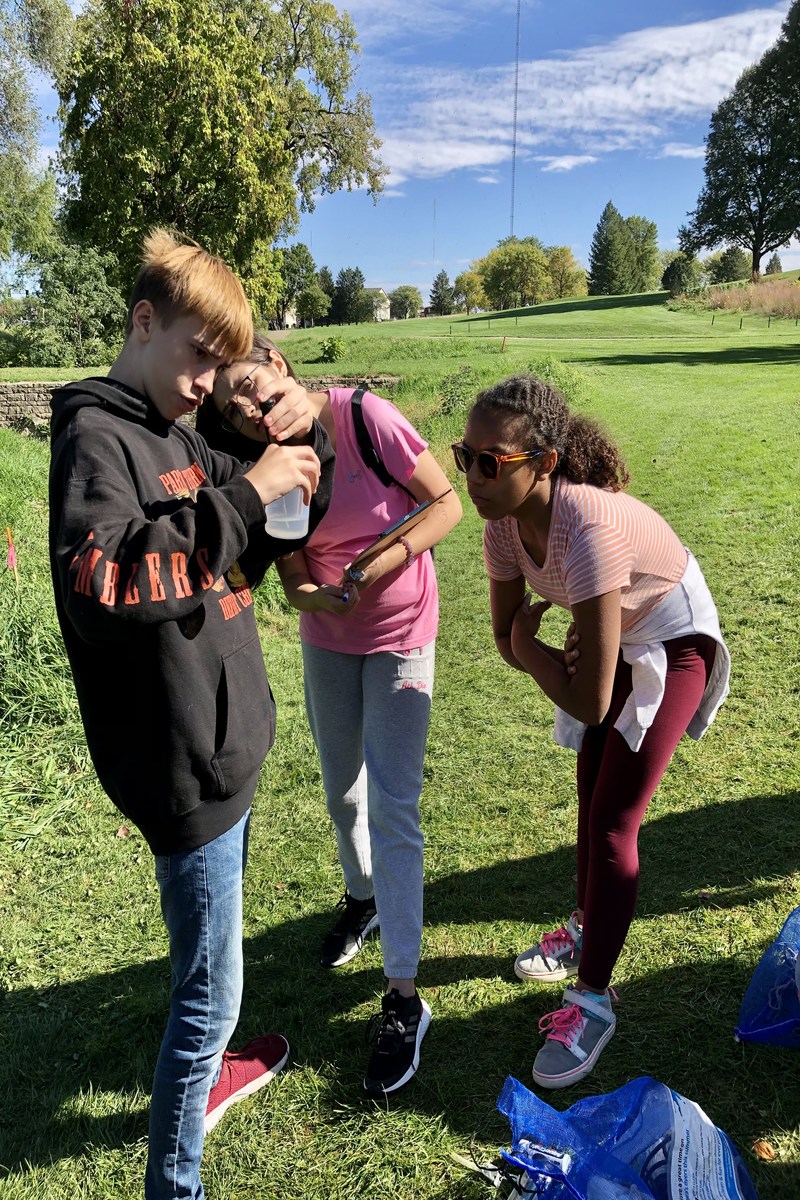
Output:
x=688 y=608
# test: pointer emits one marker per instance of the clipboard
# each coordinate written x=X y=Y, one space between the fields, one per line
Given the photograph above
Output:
x=391 y=534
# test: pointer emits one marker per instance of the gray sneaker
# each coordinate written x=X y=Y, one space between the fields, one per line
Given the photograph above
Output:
x=557 y=956
x=576 y=1035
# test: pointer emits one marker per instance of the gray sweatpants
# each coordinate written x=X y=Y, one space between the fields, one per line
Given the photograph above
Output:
x=369 y=717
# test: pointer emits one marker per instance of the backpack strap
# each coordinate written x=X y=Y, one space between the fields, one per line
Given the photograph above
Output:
x=366 y=448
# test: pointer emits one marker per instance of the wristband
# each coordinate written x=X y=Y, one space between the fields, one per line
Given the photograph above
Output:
x=410 y=555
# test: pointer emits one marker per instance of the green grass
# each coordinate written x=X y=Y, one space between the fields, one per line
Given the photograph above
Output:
x=710 y=428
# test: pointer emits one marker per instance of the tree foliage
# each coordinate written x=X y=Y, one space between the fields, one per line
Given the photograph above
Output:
x=76 y=317
x=349 y=305
x=34 y=37
x=644 y=256
x=733 y=264
x=468 y=291
x=405 y=301
x=751 y=194
x=683 y=276
x=515 y=273
x=221 y=120
x=325 y=281
x=567 y=277
x=442 y=295
x=774 y=266
x=312 y=303
x=297 y=272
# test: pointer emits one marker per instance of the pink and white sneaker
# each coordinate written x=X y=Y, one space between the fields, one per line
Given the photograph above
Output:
x=557 y=956
x=243 y=1073
x=576 y=1035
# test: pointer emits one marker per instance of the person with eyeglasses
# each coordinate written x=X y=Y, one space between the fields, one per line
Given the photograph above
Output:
x=644 y=663
x=368 y=662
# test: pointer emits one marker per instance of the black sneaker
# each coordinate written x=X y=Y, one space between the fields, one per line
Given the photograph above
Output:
x=397 y=1035
x=350 y=932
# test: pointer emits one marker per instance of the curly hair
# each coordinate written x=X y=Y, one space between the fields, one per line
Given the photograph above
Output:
x=585 y=455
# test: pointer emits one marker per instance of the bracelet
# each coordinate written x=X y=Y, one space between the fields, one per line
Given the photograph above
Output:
x=410 y=555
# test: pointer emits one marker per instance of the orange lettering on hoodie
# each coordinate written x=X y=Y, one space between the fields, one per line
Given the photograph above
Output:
x=83 y=581
x=110 y=581
x=180 y=578
x=131 y=590
x=154 y=573
x=207 y=579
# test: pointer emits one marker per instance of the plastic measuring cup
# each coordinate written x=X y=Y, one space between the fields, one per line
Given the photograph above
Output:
x=287 y=517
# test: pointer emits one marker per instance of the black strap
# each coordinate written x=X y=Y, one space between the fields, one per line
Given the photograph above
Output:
x=368 y=452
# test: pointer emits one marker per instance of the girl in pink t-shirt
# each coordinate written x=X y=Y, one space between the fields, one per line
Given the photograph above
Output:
x=644 y=663
x=368 y=662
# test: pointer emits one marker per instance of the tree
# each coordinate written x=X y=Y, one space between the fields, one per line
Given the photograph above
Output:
x=611 y=266
x=774 y=266
x=312 y=304
x=567 y=277
x=325 y=282
x=255 y=117
x=682 y=276
x=643 y=236
x=733 y=264
x=76 y=318
x=468 y=291
x=347 y=306
x=405 y=301
x=297 y=273
x=515 y=273
x=442 y=295
x=34 y=37
x=751 y=194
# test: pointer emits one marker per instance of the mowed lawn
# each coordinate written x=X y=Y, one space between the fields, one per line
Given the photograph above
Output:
x=708 y=419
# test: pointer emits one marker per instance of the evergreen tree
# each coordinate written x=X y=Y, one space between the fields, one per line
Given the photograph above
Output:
x=733 y=264
x=774 y=265
x=442 y=295
x=644 y=257
x=610 y=256
x=347 y=306
x=683 y=275
x=325 y=282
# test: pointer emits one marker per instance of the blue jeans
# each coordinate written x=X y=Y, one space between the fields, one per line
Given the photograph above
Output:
x=201 y=901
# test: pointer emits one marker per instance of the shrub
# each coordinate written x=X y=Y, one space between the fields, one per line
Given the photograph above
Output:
x=457 y=391
x=332 y=349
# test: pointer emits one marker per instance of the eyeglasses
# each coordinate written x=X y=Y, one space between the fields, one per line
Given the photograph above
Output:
x=247 y=389
x=488 y=462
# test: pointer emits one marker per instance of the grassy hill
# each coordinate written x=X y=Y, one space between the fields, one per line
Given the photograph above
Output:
x=708 y=422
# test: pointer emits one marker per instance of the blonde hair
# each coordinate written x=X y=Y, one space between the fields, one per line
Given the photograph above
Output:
x=179 y=277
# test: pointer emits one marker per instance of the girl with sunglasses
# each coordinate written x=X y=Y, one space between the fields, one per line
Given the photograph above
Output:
x=368 y=659
x=652 y=665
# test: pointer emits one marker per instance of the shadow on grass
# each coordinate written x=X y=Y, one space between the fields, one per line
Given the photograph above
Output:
x=729 y=356
x=101 y=1034
x=578 y=304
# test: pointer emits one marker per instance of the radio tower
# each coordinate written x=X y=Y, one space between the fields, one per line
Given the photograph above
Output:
x=514 y=133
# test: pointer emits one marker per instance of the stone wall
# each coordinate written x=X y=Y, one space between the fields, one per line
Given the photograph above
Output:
x=25 y=406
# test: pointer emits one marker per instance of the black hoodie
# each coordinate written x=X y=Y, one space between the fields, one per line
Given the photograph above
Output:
x=145 y=522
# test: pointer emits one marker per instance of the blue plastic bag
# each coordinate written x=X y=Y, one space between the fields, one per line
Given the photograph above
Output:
x=770 y=1009
x=641 y=1142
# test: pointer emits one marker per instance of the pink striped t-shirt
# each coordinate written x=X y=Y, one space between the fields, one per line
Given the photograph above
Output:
x=598 y=541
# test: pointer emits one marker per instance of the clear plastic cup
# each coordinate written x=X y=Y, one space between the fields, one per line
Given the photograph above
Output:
x=287 y=517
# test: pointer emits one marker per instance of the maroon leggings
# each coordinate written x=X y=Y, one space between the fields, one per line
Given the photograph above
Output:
x=614 y=788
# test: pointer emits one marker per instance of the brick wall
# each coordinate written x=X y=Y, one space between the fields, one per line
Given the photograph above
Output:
x=27 y=405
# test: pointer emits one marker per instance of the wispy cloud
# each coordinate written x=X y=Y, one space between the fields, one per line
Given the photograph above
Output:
x=630 y=93
x=565 y=162
x=389 y=21
x=681 y=150
x=487 y=178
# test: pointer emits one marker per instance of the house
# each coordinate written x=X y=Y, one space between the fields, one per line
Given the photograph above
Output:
x=380 y=303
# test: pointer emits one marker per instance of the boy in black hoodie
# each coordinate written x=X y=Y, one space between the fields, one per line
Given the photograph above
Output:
x=145 y=521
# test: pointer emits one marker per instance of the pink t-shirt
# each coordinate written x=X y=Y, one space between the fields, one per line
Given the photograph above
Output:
x=401 y=611
x=598 y=541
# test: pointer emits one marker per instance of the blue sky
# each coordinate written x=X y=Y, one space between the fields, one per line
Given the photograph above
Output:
x=614 y=103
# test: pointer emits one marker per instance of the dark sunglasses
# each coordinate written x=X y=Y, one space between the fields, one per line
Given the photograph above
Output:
x=488 y=462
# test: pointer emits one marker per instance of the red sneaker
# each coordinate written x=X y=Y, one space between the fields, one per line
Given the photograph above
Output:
x=243 y=1073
